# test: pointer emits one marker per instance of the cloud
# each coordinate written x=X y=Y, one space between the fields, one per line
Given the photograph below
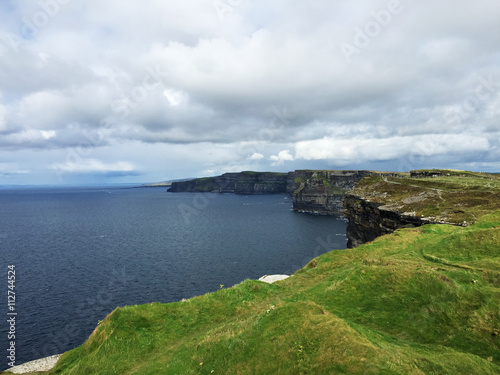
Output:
x=175 y=98
x=282 y=156
x=3 y=122
x=47 y=134
x=383 y=149
x=182 y=76
x=12 y=170
x=256 y=156
x=93 y=166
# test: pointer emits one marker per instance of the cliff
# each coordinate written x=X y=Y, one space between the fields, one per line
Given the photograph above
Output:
x=375 y=203
x=312 y=191
x=380 y=204
x=324 y=191
x=238 y=183
x=369 y=220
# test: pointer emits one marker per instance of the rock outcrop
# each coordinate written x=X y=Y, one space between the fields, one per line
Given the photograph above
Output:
x=323 y=192
x=369 y=220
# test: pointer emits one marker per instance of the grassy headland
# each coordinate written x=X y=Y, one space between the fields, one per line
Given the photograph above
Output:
x=449 y=196
x=419 y=301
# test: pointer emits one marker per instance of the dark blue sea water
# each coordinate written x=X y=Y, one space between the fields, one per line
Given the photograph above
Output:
x=80 y=252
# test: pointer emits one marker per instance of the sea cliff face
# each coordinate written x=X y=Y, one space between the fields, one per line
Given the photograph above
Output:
x=375 y=203
x=329 y=192
x=382 y=203
x=323 y=192
x=312 y=191
x=238 y=183
x=369 y=220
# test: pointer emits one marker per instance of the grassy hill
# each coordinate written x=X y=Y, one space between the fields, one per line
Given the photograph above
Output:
x=419 y=301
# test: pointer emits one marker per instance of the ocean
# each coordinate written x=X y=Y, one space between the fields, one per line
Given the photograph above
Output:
x=78 y=253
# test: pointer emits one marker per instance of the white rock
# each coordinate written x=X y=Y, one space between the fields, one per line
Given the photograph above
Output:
x=272 y=278
x=43 y=364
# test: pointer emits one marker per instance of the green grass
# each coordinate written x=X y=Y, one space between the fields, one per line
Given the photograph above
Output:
x=299 y=180
x=419 y=301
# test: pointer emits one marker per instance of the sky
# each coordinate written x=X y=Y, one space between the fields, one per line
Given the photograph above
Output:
x=98 y=92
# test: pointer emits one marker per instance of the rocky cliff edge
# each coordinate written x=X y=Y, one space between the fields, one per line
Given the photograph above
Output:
x=380 y=204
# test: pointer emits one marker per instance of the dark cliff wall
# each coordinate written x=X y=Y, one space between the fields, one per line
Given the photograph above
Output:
x=312 y=191
x=239 y=183
x=336 y=192
x=324 y=191
x=328 y=192
x=292 y=182
x=261 y=183
x=369 y=220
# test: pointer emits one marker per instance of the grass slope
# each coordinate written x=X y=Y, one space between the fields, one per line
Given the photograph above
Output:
x=419 y=301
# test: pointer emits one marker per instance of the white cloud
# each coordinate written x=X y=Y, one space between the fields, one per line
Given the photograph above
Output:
x=47 y=134
x=174 y=97
x=93 y=166
x=282 y=156
x=12 y=170
x=380 y=149
x=26 y=138
x=256 y=156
